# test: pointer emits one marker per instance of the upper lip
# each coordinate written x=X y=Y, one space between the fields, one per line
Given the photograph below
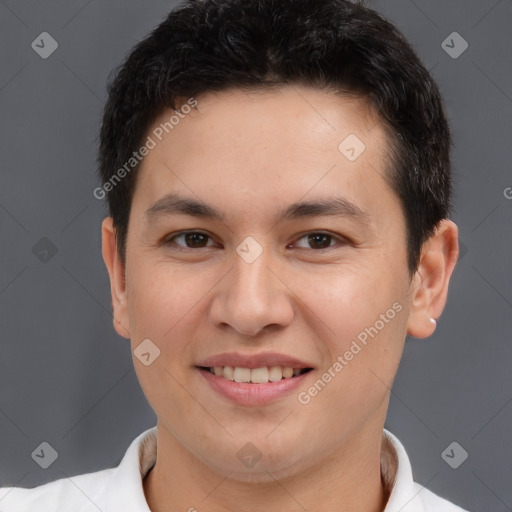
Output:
x=253 y=360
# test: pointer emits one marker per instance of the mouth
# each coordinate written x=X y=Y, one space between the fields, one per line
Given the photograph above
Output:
x=256 y=380
x=261 y=375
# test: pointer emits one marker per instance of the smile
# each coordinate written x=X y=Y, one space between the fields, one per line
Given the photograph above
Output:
x=254 y=387
x=261 y=375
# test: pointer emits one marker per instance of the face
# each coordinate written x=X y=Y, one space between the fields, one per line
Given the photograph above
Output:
x=294 y=261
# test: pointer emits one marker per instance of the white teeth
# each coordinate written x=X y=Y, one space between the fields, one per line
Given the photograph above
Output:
x=275 y=373
x=260 y=375
x=242 y=374
x=229 y=373
x=287 y=372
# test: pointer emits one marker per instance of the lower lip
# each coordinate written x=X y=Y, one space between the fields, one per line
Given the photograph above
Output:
x=246 y=393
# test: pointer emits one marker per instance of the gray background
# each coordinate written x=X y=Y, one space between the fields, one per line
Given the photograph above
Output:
x=67 y=378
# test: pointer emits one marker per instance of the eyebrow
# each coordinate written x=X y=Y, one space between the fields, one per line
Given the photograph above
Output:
x=174 y=204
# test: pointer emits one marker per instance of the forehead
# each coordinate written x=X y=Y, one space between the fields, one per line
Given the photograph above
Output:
x=282 y=144
x=302 y=113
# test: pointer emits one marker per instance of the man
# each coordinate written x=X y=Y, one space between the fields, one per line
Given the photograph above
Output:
x=278 y=182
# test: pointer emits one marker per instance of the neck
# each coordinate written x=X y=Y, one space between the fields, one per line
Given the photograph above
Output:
x=350 y=481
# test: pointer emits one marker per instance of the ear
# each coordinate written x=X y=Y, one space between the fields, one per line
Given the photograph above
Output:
x=429 y=286
x=116 y=273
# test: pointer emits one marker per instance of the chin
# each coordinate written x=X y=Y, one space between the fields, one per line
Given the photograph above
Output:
x=267 y=469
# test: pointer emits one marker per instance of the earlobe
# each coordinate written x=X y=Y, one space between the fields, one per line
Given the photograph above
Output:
x=429 y=288
x=116 y=274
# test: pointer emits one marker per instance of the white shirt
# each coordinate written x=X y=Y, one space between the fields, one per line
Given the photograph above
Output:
x=120 y=489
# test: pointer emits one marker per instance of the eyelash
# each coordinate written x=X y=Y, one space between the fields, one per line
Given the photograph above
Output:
x=169 y=241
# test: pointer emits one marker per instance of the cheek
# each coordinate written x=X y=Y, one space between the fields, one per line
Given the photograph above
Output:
x=161 y=308
x=360 y=316
x=348 y=299
x=159 y=297
x=167 y=306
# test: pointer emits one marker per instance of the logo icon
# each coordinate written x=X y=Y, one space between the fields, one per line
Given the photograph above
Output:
x=454 y=45
x=45 y=455
x=454 y=455
x=44 y=45
x=249 y=455
x=146 y=352
x=351 y=147
x=44 y=250
x=249 y=250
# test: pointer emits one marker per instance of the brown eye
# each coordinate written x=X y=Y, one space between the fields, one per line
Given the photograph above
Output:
x=190 y=240
x=319 y=241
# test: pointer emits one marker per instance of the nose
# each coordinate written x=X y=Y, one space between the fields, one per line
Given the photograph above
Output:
x=253 y=297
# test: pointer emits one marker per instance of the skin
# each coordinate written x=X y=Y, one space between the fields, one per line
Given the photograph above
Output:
x=250 y=155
